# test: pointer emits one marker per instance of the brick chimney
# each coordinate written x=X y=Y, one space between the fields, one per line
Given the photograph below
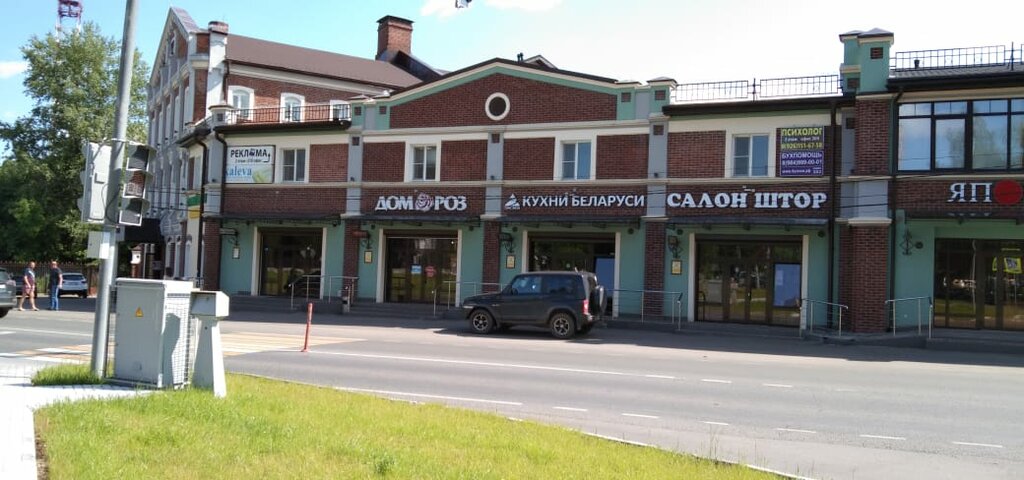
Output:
x=218 y=27
x=394 y=35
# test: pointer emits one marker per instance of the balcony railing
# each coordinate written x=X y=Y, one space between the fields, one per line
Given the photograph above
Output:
x=303 y=114
x=766 y=88
x=968 y=57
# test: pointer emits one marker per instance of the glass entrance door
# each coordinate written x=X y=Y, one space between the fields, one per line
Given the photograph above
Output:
x=736 y=282
x=978 y=284
x=420 y=268
x=289 y=257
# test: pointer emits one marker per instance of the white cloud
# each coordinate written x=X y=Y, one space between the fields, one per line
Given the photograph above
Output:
x=10 y=69
x=528 y=5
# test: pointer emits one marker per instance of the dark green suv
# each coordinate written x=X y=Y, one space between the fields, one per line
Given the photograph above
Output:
x=7 y=288
x=566 y=303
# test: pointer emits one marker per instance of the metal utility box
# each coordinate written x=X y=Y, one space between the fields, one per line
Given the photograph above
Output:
x=154 y=332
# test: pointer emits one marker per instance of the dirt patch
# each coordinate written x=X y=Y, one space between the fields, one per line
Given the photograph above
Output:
x=42 y=465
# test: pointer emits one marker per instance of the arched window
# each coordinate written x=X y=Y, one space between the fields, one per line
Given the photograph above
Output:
x=291 y=108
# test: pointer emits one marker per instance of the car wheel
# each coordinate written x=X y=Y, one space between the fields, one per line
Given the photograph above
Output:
x=562 y=325
x=3 y=312
x=83 y=294
x=481 y=321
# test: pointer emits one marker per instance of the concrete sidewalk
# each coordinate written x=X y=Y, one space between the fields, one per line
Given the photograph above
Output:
x=18 y=399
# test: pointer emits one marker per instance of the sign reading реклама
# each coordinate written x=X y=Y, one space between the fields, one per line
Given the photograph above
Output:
x=250 y=164
x=802 y=152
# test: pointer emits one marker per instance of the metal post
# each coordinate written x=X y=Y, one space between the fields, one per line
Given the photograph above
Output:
x=101 y=327
x=931 y=316
x=840 y=322
x=919 y=317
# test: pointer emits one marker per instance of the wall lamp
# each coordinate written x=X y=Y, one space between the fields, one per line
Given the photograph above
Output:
x=908 y=243
x=674 y=246
x=508 y=242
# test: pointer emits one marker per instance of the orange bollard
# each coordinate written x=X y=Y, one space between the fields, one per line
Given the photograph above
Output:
x=309 y=322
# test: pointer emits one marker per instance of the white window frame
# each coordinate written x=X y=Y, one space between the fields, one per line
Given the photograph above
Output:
x=285 y=98
x=279 y=175
x=560 y=142
x=730 y=154
x=410 y=157
x=335 y=103
x=232 y=90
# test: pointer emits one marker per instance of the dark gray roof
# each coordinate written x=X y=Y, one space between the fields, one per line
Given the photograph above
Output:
x=956 y=71
x=253 y=51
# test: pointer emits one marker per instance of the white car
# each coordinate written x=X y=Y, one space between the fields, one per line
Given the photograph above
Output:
x=75 y=284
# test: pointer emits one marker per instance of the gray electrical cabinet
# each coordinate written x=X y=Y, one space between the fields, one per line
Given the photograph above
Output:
x=154 y=332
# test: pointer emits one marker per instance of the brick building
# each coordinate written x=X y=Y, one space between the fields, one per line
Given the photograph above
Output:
x=789 y=202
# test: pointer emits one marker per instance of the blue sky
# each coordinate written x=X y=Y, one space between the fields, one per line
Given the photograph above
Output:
x=640 y=39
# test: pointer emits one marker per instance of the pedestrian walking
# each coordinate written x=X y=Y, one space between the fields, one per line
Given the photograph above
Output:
x=56 y=282
x=28 y=289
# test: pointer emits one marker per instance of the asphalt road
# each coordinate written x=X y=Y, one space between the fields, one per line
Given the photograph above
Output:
x=804 y=408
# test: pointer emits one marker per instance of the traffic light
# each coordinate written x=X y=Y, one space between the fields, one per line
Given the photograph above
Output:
x=135 y=180
x=95 y=194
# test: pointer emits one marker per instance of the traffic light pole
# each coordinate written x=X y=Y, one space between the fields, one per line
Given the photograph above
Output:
x=108 y=265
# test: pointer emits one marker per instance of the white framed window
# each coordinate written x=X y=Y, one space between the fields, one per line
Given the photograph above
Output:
x=750 y=155
x=293 y=165
x=423 y=165
x=497 y=106
x=242 y=99
x=291 y=107
x=577 y=160
x=340 y=110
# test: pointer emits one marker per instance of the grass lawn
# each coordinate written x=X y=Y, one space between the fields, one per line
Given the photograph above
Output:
x=271 y=429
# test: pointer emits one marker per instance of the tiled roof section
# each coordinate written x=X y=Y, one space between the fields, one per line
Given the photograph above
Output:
x=254 y=51
x=186 y=20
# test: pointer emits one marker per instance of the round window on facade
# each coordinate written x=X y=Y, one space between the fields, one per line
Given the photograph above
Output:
x=497 y=106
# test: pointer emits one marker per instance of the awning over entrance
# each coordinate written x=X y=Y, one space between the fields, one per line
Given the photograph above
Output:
x=290 y=217
x=571 y=220
x=759 y=221
x=435 y=219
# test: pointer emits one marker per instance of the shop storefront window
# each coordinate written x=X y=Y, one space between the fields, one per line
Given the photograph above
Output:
x=979 y=284
x=290 y=263
x=749 y=282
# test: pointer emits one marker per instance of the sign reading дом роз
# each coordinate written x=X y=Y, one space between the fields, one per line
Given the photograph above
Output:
x=250 y=164
x=802 y=152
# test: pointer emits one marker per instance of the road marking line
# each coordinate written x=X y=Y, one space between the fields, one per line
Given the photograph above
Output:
x=795 y=430
x=715 y=380
x=424 y=395
x=972 y=444
x=637 y=415
x=883 y=437
x=723 y=424
x=6 y=333
x=481 y=364
x=53 y=332
x=666 y=377
x=615 y=439
x=570 y=409
x=777 y=385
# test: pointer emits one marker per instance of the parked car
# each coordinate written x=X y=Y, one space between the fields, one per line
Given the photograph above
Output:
x=6 y=292
x=19 y=282
x=566 y=303
x=75 y=284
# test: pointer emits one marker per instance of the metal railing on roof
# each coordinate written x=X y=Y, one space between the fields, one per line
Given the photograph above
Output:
x=966 y=57
x=766 y=88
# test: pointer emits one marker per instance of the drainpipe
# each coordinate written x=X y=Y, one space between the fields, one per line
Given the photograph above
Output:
x=832 y=190
x=202 y=207
x=893 y=123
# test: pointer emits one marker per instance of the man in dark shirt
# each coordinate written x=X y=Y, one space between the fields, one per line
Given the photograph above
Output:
x=56 y=282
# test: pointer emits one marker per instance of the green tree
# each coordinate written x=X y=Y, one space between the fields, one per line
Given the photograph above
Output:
x=73 y=81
